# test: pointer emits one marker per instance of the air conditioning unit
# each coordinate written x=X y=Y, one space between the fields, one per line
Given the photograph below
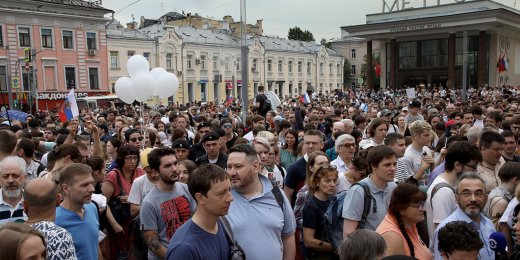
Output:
x=197 y=61
x=92 y=52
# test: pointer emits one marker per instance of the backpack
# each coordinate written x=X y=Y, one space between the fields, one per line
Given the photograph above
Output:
x=439 y=186
x=333 y=219
x=267 y=103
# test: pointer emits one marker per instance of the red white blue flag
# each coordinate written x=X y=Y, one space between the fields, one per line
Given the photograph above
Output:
x=69 y=109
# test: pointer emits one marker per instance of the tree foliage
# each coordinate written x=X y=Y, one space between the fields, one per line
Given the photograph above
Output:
x=376 y=59
x=298 y=34
x=325 y=43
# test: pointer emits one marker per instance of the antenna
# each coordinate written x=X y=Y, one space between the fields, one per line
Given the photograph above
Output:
x=133 y=18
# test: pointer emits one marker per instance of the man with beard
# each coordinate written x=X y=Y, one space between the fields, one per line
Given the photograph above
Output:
x=440 y=202
x=12 y=178
x=77 y=214
x=256 y=207
x=167 y=206
x=471 y=198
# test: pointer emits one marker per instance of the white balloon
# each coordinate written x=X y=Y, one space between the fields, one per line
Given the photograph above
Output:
x=167 y=85
x=144 y=86
x=137 y=64
x=157 y=72
x=124 y=90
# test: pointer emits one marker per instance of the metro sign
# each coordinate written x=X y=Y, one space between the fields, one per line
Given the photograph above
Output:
x=399 y=5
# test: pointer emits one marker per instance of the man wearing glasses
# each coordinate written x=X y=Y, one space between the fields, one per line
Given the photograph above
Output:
x=461 y=157
x=345 y=148
x=231 y=137
x=471 y=198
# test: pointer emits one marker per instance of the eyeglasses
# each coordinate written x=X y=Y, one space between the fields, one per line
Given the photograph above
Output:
x=133 y=140
x=348 y=146
x=131 y=158
x=468 y=194
x=474 y=166
x=419 y=205
x=227 y=125
x=326 y=166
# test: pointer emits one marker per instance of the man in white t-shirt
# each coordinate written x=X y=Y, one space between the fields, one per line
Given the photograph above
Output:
x=461 y=157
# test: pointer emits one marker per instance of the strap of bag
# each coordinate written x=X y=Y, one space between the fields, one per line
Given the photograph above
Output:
x=120 y=184
x=277 y=194
x=439 y=186
x=366 y=204
x=229 y=232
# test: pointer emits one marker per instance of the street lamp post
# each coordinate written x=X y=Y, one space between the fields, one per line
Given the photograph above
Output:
x=244 y=51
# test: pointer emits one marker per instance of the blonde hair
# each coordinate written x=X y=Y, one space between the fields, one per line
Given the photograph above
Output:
x=419 y=127
x=322 y=172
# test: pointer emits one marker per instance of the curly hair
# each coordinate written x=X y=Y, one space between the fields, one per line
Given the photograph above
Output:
x=464 y=233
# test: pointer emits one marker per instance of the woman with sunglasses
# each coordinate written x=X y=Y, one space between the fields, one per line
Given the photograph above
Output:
x=316 y=159
x=322 y=186
x=398 y=228
x=116 y=188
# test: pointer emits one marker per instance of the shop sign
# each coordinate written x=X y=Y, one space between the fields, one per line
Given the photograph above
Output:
x=390 y=6
x=60 y=95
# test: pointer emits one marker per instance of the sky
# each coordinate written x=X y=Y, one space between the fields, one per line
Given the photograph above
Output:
x=321 y=17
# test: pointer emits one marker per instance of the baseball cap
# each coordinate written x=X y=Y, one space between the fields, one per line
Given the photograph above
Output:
x=415 y=103
x=385 y=112
x=144 y=157
x=278 y=118
x=404 y=109
x=203 y=124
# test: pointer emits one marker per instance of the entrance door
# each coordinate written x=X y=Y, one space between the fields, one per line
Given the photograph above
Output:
x=414 y=80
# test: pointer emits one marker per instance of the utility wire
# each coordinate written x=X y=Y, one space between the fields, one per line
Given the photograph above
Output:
x=135 y=2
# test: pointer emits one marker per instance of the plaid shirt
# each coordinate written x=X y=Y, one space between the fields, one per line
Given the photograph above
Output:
x=298 y=209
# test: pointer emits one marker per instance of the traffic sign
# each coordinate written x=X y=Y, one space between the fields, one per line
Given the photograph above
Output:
x=16 y=82
x=27 y=54
x=26 y=67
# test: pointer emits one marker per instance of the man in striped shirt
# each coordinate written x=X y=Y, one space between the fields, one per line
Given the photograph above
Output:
x=12 y=178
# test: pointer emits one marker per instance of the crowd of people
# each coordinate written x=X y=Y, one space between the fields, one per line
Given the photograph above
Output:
x=348 y=175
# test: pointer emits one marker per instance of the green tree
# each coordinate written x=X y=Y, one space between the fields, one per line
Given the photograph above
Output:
x=346 y=73
x=326 y=43
x=376 y=59
x=298 y=34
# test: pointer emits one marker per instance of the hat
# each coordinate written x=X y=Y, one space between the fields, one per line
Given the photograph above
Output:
x=6 y=123
x=203 y=124
x=144 y=157
x=415 y=103
x=212 y=136
x=278 y=118
x=385 y=112
x=180 y=143
x=404 y=109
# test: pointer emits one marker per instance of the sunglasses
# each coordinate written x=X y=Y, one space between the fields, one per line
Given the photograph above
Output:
x=133 y=140
x=227 y=125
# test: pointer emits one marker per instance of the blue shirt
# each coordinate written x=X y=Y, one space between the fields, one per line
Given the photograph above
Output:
x=258 y=222
x=192 y=242
x=436 y=172
x=484 y=228
x=84 y=231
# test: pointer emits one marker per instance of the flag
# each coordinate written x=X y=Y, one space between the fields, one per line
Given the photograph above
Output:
x=501 y=64
x=69 y=109
x=229 y=101
x=305 y=98
x=377 y=67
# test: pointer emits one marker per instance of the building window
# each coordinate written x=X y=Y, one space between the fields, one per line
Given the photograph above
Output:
x=269 y=65
x=321 y=68
x=215 y=63
x=338 y=69
x=169 y=63
x=353 y=53
x=91 y=41
x=330 y=68
x=300 y=64
x=93 y=78
x=27 y=79
x=189 y=61
x=70 y=77
x=3 y=78
x=24 y=37
x=130 y=53
x=1 y=37
x=146 y=55
x=353 y=70
x=309 y=68
x=114 y=59
x=228 y=61
x=238 y=64
x=46 y=38
x=202 y=62
x=280 y=65
x=255 y=61
x=67 y=40
x=289 y=66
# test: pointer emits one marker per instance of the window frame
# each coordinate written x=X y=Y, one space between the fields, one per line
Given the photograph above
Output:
x=65 y=67
x=51 y=36
x=116 y=59
x=20 y=39
x=95 y=40
x=90 y=82
x=63 y=42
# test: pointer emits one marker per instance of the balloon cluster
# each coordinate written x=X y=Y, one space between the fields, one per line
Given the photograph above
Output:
x=144 y=83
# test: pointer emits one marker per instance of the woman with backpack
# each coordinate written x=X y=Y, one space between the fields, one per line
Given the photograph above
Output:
x=322 y=187
x=398 y=228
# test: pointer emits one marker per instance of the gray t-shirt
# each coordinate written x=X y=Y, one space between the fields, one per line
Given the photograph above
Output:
x=166 y=212
x=355 y=198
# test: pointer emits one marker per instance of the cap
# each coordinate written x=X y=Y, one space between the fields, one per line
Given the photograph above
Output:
x=6 y=123
x=415 y=103
x=203 y=124
x=278 y=118
x=180 y=143
x=212 y=136
x=385 y=112
x=144 y=157
x=404 y=109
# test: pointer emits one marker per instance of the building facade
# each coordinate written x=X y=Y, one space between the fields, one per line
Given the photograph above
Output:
x=427 y=45
x=68 y=44
x=207 y=63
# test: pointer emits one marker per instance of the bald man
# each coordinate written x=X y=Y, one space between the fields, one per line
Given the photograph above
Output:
x=40 y=199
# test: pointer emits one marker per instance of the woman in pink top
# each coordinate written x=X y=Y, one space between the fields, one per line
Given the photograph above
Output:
x=398 y=227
